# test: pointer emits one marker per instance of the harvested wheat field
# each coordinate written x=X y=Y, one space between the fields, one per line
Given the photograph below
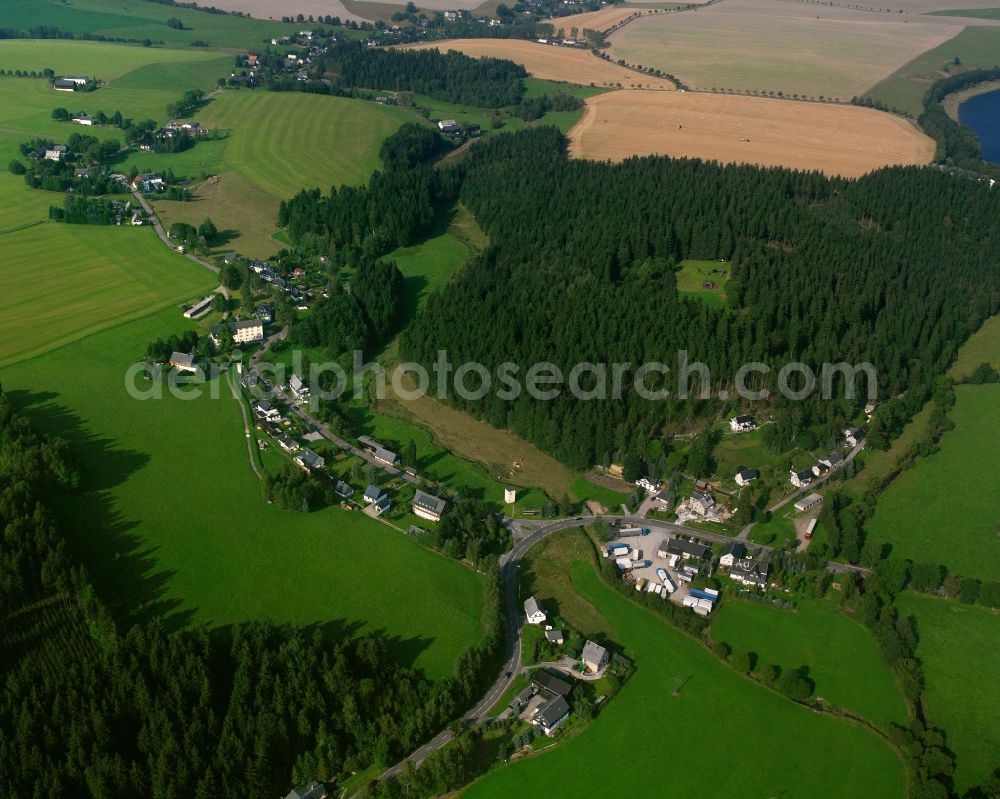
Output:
x=835 y=139
x=597 y=20
x=550 y=62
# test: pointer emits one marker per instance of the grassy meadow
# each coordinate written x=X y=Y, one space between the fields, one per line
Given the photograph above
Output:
x=960 y=659
x=172 y=522
x=769 y=743
x=840 y=654
x=975 y=46
x=63 y=282
x=946 y=509
x=693 y=275
x=139 y=19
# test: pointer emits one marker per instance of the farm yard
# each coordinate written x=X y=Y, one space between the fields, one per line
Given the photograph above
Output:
x=208 y=550
x=714 y=704
x=933 y=513
x=570 y=64
x=838 y=140
x=960 y=660
x=771 y=46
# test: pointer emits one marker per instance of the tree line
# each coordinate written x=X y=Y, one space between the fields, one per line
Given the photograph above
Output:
x=957 y=144
x=144 y=712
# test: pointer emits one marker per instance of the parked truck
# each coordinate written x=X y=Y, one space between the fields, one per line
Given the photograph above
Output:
x=617 y=550
x=630 y=530
x=624 y=563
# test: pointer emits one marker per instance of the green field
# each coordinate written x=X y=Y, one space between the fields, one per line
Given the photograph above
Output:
x=946 y=509
x=138 y=19
x=584 y=489
x=173 y=524
x=646 y=741
x=693 y=275
x=982 y=347
x=843 y=660
x=960 y=659
x=975 y=13
x=62 y=282
x=975 y=46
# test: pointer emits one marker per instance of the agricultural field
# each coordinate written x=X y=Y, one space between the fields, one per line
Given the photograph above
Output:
x=974 y=13
x=773 y=739
x=596 y=20
x=703 y=280
x=960 y=658
x=278 y=144
x=139 y=19
x=841 y=655
x=835 y=139
x=982 y=347
x=554 y=63
x=770 y=46
x=172 y=522
x=62 y=282
x=933 y=513
x=974 y=46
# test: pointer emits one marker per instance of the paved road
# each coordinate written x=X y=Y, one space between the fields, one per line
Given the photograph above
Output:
x=745 y=532
x=155 y=220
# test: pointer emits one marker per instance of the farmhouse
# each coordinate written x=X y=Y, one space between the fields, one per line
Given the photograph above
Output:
x=63 y=85
x=552 y=714
x=265 y=410
x=684 y=549
x=808 y=502
x=554 y=637
x=533 y=611
x=733 y=552
x=742 y=424
x=388 y=457
x=749 y=571
x=343 y=490
x=745 y=476
x=449 y=126
x=183 y=362
x=801 y=479
x=427 y=506
x=248 y=331
x=314 y=790
x=550 y=684
x=55 y=152
x=80 y=118
x=298 y=388
x=701 y=503
x=309 y=460
x=648 y=485
x=595 y=657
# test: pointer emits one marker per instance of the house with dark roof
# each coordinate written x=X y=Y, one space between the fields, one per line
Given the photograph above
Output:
x=427 y=506
x=343 y=490
x=314 y=790
x=383 y=455
x=742 y=424
x=373 y=494
x=749 y=571
x=183 y=362
x=686 y=549
x=309 y=460
x=550 y=684
x=801 y=478
x=551 y=715
x=263 y=409
x=733 y=552
x=701 y=502
x=745 y=476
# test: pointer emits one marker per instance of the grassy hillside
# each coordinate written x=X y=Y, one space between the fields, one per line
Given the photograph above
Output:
x=63 y=282
x=946 y=509
x=140 y=19
x=960 y=658
x=173 y=523
x=644 y=742
x=840 y=654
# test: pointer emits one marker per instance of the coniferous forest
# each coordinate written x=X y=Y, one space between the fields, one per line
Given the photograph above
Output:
x=896 y=269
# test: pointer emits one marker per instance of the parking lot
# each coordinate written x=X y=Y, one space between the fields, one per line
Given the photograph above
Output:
x=648 y=546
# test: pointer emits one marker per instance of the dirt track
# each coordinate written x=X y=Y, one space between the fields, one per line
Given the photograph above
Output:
x=836 y=139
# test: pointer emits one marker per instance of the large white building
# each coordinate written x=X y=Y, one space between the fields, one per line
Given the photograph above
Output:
x=250 y=331
x=427 y=506
x=533 y=611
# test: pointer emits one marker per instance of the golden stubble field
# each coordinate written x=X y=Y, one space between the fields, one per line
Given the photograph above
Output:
x=838 y=140
x=549 y=62
x=777 y=45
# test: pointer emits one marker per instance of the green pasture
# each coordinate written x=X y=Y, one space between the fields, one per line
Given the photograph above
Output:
x=63 y=282
x=139 y=19
x=946 y=508
x=693 y=275
x=960 y=660
x=584 y=489
x=975 y=13
x=840 y=654
x=171 y=521
x=771 y=746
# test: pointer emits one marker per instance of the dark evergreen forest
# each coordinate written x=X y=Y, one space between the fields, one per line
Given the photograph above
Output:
x=89 y=707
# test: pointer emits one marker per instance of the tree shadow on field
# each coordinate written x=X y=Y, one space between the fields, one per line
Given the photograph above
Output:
x=119 y=563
